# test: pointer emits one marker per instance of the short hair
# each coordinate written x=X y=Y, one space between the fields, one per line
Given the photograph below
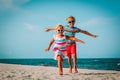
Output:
x=72 y=17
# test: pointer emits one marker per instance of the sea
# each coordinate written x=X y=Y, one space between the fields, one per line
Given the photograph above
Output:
x=82 y=63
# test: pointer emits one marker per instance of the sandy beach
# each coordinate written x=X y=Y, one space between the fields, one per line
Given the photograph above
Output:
x=25 y=72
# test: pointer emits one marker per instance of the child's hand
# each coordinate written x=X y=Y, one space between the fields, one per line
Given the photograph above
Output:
x=47 y=49
x=95 y=36
x=47 y=30
x=82 y=42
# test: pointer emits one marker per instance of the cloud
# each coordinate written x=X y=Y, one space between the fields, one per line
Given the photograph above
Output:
x=31 y=27
x=12 y=4
x=98 y=21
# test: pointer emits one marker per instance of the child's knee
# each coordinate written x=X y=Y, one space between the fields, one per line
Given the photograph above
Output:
x=59 y=57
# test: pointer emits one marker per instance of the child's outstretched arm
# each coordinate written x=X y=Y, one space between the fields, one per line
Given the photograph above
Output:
x=49 y=29
x=75 y=39
x=89 y=34
x=51 y=42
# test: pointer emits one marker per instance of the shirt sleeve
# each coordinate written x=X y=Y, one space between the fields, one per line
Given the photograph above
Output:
x=81 y=30
x=77 y=29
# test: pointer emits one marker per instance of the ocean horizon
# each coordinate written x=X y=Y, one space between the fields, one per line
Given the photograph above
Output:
x=82 y=63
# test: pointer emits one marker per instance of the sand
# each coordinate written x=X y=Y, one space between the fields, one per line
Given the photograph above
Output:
x=25 y=72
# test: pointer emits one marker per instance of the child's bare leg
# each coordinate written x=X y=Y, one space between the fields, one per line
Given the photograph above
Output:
x=70 y=64
x=75 y=60
x=60 y=65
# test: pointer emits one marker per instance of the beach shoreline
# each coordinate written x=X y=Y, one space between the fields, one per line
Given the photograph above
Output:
x=27 y=72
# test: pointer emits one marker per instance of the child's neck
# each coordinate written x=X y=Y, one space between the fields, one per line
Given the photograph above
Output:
x=60 y=35
x=71 y=26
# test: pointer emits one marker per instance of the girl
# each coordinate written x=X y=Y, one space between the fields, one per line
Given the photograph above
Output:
x=59 y=49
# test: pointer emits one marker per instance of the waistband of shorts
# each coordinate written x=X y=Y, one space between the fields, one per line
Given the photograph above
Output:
x=69 y=44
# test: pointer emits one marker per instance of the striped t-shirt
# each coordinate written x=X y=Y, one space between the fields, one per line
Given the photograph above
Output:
x=67 y=27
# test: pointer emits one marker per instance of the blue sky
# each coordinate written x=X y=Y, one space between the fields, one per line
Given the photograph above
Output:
x=23 y=23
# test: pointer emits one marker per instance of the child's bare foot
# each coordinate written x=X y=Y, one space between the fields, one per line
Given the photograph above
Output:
x=70 y=70
x=61 y=73
x=75 y=71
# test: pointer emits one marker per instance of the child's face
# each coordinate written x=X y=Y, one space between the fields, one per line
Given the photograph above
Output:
x=71 y=22
x=60 y=30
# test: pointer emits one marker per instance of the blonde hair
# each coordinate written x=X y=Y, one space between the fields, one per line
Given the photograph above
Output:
x=72 y=17
x=59 y=25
